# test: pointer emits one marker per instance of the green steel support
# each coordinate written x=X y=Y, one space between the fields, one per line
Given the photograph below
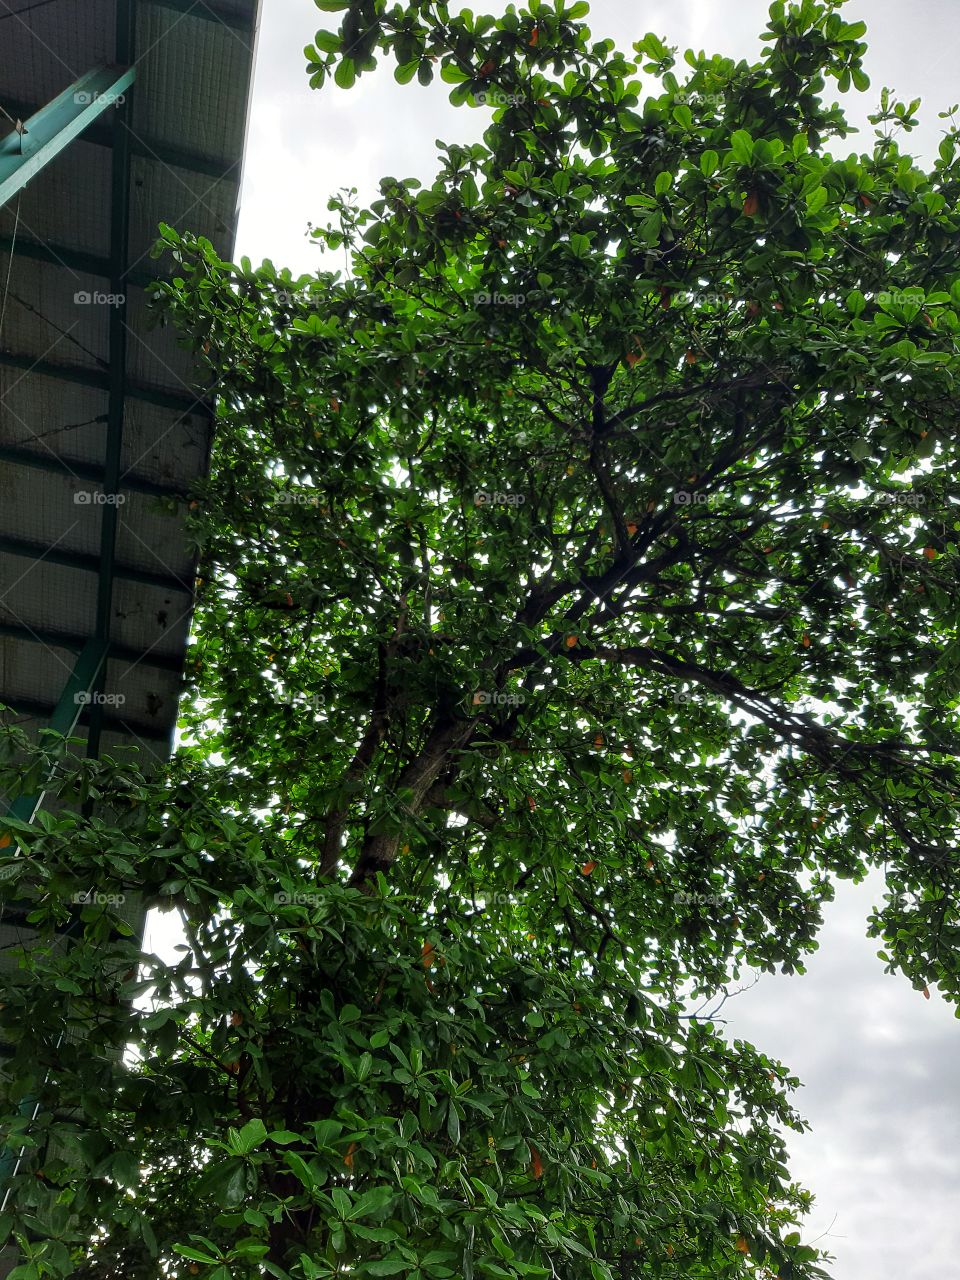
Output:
x=78 y=470
x=91 y=564
x=117 y=371
x=60 y=255
x=85 y=376
x=27 y=150
x=75 y=696
x=210 y=12
x=144 y=145
x=74 y=643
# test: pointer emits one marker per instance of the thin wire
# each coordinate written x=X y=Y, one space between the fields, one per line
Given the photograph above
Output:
x=6 y=286
x=17 y=13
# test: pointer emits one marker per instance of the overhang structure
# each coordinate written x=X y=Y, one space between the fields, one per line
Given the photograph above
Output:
x=115 y=116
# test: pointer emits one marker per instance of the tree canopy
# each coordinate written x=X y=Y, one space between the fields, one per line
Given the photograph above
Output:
x=577 y=604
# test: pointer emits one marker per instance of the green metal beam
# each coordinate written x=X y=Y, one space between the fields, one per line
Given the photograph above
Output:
x=75 y=696
x=74 y=643
x=61 y=255
x=117 y=403
x=148 y=147
x=90 y=564
x=80 y=470
x=99 y=379
x=211 y=12
x=113 y=721
x=29 y=149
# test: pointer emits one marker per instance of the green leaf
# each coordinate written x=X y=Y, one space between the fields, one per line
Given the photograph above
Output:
x=346 y=73
x=741 y=144
x=709 y=163
x=327 y=41
x=856 y=302
x=252 y=1135
x=193 y=1255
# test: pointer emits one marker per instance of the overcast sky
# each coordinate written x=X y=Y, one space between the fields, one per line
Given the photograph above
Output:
x=879 y=1063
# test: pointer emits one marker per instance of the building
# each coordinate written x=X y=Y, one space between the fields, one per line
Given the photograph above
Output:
x=115 y=116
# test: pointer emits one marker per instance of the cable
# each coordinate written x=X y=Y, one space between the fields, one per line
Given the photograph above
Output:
x=18 y=13
x=6 y=286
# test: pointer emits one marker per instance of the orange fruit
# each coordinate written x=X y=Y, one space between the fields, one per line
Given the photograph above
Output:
x=929 y=553
x=571 y=642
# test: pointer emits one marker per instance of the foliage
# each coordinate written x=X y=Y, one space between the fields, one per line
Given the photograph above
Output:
x=577 y=603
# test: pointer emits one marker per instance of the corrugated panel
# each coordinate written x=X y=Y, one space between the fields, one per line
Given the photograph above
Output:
x=196 y=69
x=164 y=445
x=49 y=47
x=75 y=219
x=189 y=107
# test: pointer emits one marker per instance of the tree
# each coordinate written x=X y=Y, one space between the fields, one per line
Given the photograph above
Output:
x=577 y=604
